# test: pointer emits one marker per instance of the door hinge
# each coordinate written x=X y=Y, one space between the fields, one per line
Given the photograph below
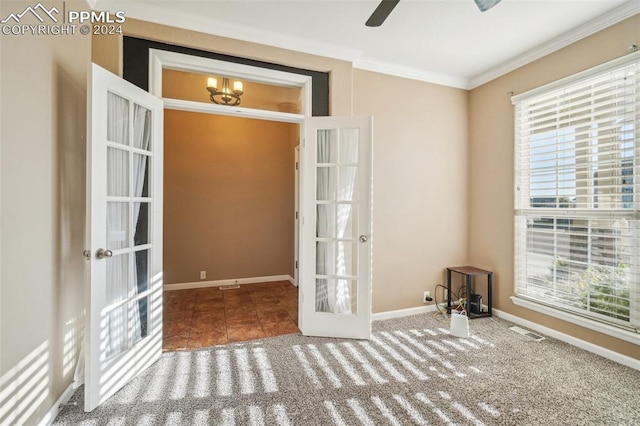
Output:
x=296 y=165
x=296 y=264
x=296 y=215
x=86 y=254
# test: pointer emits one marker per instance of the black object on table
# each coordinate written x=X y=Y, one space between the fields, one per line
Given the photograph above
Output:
x=469 y=272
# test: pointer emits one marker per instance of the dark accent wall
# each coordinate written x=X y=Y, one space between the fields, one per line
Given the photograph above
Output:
x=136 y=68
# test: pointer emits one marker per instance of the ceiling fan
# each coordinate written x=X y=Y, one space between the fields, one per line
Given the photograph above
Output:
x=386 y=6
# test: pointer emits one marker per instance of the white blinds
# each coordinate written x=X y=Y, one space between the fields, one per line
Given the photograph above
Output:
x=577 y=194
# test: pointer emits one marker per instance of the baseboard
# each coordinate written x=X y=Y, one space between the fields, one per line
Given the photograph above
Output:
x=292 y=281
x=574 y=341
x=219 y=283
x=53 y=411
x=402 y=312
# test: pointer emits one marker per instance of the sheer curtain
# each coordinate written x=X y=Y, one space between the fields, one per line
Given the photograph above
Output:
x=324 y=222
x=335 y=183
x=348 y=154
x=141 y=140
x=121 y=334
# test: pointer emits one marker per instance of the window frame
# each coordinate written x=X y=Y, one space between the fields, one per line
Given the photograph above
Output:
x=628 y=332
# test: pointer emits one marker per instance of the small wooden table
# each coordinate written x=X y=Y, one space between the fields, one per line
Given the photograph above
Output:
x=469 y=272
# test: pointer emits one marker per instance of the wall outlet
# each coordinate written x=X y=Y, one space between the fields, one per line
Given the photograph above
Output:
x=426 y=297
x=203 y=275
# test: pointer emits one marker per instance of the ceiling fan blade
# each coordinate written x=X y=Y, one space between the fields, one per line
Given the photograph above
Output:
x=485 y=5
x=381 y=13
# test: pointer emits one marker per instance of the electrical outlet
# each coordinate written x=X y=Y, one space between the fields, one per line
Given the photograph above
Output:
x=426 y=297
x=203 y=275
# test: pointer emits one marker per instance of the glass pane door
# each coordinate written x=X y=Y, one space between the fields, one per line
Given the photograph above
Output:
x=337 y=221
x=124 y=160
x=128 y=210
x=336 y=248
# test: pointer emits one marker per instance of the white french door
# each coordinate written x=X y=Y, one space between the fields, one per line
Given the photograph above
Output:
x=123 y=335
x=336 y=203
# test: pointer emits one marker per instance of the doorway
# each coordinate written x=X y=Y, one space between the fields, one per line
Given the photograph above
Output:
x=229 y=218
x=276 y=104
x=333 y=150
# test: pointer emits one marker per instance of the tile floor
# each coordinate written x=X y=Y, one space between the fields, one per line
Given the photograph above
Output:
x=203 y=317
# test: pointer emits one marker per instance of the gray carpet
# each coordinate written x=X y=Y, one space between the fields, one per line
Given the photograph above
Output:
x=412 y=372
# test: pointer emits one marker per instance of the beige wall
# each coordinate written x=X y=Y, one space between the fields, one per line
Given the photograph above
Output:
x=228 y=196
x=419 y=184
x=420 y=157
x=42 y=216
x=491 y=167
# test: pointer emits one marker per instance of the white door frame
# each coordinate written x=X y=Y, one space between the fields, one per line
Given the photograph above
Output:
x=297 y=214
x=161 y=59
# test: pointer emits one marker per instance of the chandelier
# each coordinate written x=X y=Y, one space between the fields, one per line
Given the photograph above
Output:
x=224 y=96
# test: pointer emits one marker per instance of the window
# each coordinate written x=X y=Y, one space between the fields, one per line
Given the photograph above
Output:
x=577 y=195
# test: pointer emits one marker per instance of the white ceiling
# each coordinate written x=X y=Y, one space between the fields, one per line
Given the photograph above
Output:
x=444 y=41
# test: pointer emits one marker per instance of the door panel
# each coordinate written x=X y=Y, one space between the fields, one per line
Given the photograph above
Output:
x=336 y=274
x=124 y=224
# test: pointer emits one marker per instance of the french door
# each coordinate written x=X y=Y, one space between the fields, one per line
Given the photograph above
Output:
x=336 y=253
x=123 y=335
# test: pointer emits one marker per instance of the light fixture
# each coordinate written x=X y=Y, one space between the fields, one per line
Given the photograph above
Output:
x=224 y=96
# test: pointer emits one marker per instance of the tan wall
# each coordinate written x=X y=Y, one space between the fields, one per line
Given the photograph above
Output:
x=229 y=197
x=466 y=146
x=42 y=216
x=419 y=185
x=491 y=178
x=413 y=205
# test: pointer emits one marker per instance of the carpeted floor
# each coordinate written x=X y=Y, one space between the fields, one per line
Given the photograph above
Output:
x=412 y=372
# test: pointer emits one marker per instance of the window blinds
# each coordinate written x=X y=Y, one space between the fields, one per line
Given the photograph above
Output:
x=577 y=198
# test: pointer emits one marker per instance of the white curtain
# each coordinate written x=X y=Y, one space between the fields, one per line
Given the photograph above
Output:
x=335 y=183
x=324 y=222
x=121 y=333
x=348 y=154
x=141 y=140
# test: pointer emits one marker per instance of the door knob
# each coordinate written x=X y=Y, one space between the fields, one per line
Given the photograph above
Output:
x=363 y=238
x=102 y=253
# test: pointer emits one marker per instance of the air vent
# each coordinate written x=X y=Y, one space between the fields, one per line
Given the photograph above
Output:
x=527 y=333
x=229 y=287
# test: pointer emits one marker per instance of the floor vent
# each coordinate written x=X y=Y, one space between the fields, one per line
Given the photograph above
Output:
x=229 y=287
x=527 y=333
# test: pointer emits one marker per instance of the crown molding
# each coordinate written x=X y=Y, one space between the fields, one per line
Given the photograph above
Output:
x=411 y=73
x=626 y=10
x=159 y=15
x=152 y=12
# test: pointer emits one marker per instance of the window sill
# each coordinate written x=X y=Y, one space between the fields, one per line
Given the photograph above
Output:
x=618 y=333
